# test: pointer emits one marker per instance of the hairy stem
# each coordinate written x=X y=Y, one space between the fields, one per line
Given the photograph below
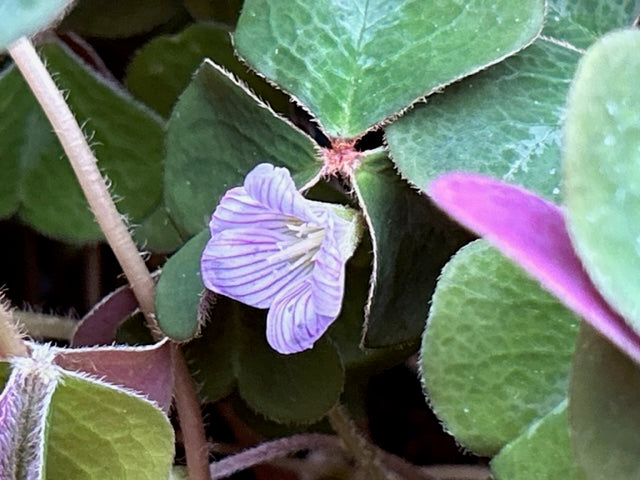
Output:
x=356 y=444
x=41 y=325
x=86 y=169
x=190 y=416
x=115 y=230
x=11 y=342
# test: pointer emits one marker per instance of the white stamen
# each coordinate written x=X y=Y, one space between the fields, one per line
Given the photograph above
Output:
x=301 y=247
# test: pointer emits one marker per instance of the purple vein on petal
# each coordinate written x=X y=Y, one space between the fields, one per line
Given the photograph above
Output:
x=532 y=232
x=237 y=209
x=328 y=279
x=274 y=189
x=293 y=323
x=271 y=247
x=265 y=285
x=236 y=263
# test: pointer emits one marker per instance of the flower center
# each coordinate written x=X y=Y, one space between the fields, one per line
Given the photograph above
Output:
x=301 y=246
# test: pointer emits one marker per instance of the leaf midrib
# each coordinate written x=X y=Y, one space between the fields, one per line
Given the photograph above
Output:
x=356 y=66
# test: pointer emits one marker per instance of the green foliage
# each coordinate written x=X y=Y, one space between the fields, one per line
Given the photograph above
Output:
x=504 y=122
x=288 y=389
x=98 y=431
x=178 y=473
x=346 y=332
x=411 y=243
x=298 y=388
x=212 y=355
x=179 y=291
x=232 y=352
x=13 y=139
x=5 y=368
x=119 y=18
x=546 y=439
x=269 y=428
x=602 y=179
x=507 y=121
x=581 y=22
x=157 y=232
x=496 y=351
x=603 y=413
x=217 y=133
x=168 y=63
x=133 y=331
x=84 y=427
x=221 y=11
x=346 y=62
x=127 y=140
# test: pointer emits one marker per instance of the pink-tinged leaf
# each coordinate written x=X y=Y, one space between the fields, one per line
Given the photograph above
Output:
x=99 y=326
x=532 y=232
x=146 y=369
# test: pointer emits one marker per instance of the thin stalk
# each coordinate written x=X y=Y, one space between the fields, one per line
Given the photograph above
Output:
x=85 y=166
x=190 y=416
x=41 y=325
x=11 y=342
x=115 y=230
x=356 y=444
x=270 y=451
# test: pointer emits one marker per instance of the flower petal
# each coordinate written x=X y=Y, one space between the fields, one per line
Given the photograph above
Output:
x=238 y=210
x=337 y=247
x=328 y=278
x=241 y=263
x=344 y=223
x=273 y=188
x=271 y=247
x=293 y=324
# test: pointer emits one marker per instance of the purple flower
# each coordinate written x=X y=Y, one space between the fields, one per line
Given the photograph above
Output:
x=272 y=248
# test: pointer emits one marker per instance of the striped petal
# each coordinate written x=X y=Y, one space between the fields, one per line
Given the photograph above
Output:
x=238 y=210
x=243 y=264
x=293 y=324
x=328 y=277
x=271 y=247
x=338 y=245
x=273 y=188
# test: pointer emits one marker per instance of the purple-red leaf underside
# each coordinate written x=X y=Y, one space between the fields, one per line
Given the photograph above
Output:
x=146 y=369
x=99 y=326
x=532 y=232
